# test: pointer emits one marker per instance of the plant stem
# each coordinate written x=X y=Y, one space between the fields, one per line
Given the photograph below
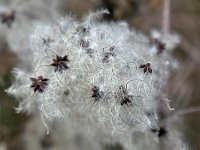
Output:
x=166 y=17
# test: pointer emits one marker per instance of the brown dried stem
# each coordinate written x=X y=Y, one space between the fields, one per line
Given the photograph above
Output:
x=166 y=17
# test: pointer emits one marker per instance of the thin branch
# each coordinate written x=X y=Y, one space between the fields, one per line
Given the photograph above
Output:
x=182 y=112
x=166 y=17
x=187 y=111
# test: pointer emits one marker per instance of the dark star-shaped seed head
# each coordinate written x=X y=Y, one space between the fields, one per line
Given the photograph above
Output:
x=160 y=46
x=60 y=63
x=47 y=41
x=7 y=17
x=82 y=30
x=122 y=96
x=97 y=94
x=146 y=67
x=161 y=132
x=108 y=54
x=39 y=84
x=84 y=44
x=46 y=141
x=125 y=100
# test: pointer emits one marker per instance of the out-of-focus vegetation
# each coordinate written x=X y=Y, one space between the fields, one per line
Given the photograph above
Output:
x=184 y=84
x=11 y=124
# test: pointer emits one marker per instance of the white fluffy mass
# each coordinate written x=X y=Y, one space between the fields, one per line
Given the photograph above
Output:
x=103 y=72
x=94 y=68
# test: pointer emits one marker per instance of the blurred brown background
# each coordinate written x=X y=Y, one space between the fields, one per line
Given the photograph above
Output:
x=144 y=15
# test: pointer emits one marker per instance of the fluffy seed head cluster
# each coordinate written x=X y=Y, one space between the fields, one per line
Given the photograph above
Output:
x=104 y=71
x=18 y=19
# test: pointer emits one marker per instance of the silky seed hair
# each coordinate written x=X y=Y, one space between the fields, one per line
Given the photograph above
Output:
x=111 y=75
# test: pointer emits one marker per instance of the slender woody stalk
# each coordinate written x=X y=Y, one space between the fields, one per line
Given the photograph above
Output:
x=166 y=16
